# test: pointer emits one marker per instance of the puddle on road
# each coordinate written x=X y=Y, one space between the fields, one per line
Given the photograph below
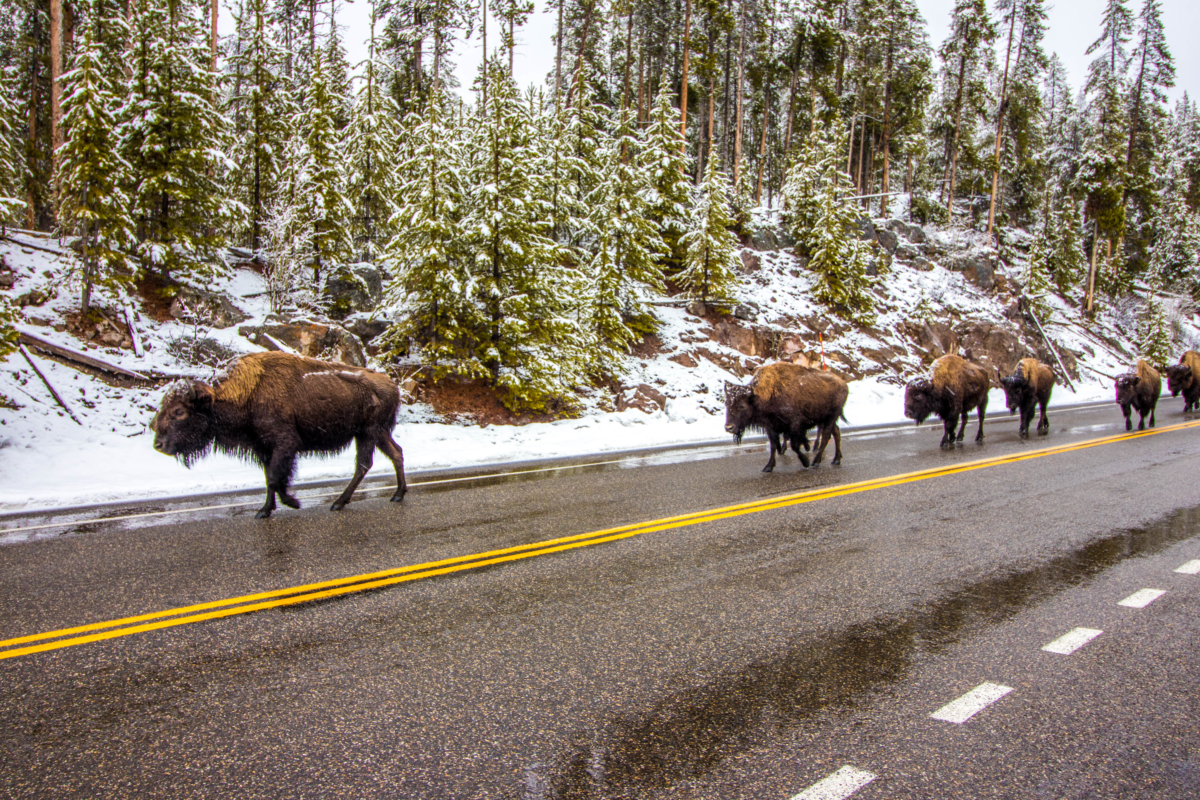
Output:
x=692 y=732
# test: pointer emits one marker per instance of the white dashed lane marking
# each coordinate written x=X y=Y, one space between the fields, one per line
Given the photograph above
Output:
x=1070 y=642
x=1190 y=568
x=1142 y=598
x=971 y=703
x=841 y=784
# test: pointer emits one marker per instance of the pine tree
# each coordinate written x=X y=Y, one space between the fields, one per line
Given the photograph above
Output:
x=259 y=105
x=91 y=200
x=665 y=161
x=838 y=257
x=1155 y=341
x=1175 y=259
x=626 y=246
x=371 y=141
x=172 y=135
x=12 y=170
x=709 y=268
x=435 y=293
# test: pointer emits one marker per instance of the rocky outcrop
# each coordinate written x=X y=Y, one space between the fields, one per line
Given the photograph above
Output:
x=643 y=397
x=977 y=266
x=213 y=309
x=353 y=288
x=313 y=339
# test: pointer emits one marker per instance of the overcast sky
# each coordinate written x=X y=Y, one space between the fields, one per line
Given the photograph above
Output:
x=1073 y=25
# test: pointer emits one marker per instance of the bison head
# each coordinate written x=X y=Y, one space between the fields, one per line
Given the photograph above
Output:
x=184 y=426
x=1179 y=377
x=739 y=409
x=1126 y=388
x=919 y=400
x=1014 y=389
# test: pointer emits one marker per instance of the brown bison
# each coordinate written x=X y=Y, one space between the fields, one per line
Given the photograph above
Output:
x=955 y=387
x=1139 y=390
x=271 y=406
x=785 y=400
x=1029 y=386
x=1185 y=377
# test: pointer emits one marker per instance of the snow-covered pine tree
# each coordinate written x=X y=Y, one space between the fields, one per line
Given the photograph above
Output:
x=838 y=257
x=1154 y=340
x=8 y=334
x=1175 y=259
x=12 y=166
x=665 y=160
x=434 y=298
x=625 y=248
x=1066 y=261
x=371 y=142
x=259 y=105
x=173 y=137
x=709 y=266
x=91 y=200
x=533 y=345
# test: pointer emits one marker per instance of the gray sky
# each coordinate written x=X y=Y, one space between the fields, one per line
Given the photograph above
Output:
x=1072 y=26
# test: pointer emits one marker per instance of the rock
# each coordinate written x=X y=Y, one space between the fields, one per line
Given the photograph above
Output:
x=750 y=262
x=906 y=252
x=922 y=264
x=209 y=308
x=887 y=239
x=993 y=345
x=865 y=229
x=696 y=308
x=786 y=240
x=327 y=342
x=976 y=267
x=35 y=297
x=353 y=288
x=745 y=312
x=7 y=278
x=685 y=360
x=643 y=397
x=764 y=239
x=365 y=325
x=916 y=234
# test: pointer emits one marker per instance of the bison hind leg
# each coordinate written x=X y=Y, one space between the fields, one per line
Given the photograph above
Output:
x=364 y=458
x=392 y=451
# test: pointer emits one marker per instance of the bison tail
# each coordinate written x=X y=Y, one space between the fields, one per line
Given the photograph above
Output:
x=842 y=415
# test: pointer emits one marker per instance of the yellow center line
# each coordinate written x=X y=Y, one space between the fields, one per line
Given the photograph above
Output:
x=337 y=587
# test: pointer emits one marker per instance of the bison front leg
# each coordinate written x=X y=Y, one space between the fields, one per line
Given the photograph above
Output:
x=772 y=442
x=948 y=423
x=1026 y=418
x=1044 y=423
x=365 y=456
x=393 y=452
x=982 y=415
x=279 y=474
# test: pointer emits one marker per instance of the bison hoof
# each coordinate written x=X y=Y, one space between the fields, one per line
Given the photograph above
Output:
x=338 y=506
x=769 y=468
x=804 y=461
x=289 y=501
x=263 y=513
x=1128 y=425
x=837 y=462
x=398 y=497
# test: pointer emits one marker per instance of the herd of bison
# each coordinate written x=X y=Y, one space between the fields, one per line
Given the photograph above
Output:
x=271 y=407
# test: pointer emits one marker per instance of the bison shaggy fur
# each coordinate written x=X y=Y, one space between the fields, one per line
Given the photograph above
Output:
x=269 y=407
x=1185 y=377
x=954 y=387
x=1029 y=386
x=785 y=400
x=1139 y=390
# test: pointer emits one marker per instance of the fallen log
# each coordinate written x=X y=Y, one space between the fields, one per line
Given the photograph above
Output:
x=71 y=354
x=133 y=332
x=36 y=247
x=49 y=385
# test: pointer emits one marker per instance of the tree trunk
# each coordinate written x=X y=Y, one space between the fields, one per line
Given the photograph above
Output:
x=1012 y=25
x=766 y=117
x=215 y=38
x=57 y=133
x=737 y=142
x=885 y=186
x=958 y=104
x=683 y=84
x=558 y=56
x=34 y=62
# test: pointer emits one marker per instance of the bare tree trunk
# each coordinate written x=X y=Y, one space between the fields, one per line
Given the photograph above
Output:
x=1091 y=281
x=766 y=117
x=34 y=63
x=1012 y=26
x=958 y=104
x=683 y=84
x=483 y=33
x=558 y=56
x=215 y=38
x=57 y=133
x=737 y=142
x=628 y=58
x=885 y=187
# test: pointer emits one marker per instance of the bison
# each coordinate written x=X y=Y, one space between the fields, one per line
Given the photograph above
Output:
x=955 y=387
x=269 y=407
x=1185 y=377
x=1139 y=390
x=786 y=400
x=1029 y=386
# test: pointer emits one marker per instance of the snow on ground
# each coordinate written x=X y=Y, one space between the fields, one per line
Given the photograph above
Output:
x=47 y=460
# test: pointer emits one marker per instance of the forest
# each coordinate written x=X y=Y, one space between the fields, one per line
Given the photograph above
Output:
x=523 y=231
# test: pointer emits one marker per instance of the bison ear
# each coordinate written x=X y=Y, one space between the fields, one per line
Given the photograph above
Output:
x=201 y=396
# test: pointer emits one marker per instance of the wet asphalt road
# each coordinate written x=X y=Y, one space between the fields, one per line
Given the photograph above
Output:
x=744 y=657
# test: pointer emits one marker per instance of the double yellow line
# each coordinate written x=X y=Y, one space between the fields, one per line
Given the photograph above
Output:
x=307 y=593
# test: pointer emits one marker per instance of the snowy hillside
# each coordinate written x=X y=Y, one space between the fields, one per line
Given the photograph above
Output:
x=945 y=291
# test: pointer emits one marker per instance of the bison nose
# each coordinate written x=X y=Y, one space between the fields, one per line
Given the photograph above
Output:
x=159 y=446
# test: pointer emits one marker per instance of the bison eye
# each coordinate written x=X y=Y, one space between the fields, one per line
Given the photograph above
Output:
x=179 y=413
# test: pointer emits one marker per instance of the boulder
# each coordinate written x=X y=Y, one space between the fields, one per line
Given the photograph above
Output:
x=750 y=262
x=887 y=239
x=922 y=264
x=214 y=309
x=696 y=308
x=865 y=229
x=313 y=339
x=352 y=288
x=365 y=325
x=684 y=360
x=764 y=239
x=916 y=234
x=745 y=312
x=976 y=266
x=643 y=397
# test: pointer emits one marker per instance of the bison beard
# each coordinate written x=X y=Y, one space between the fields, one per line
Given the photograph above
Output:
x=784 y=401
x=270 y=407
